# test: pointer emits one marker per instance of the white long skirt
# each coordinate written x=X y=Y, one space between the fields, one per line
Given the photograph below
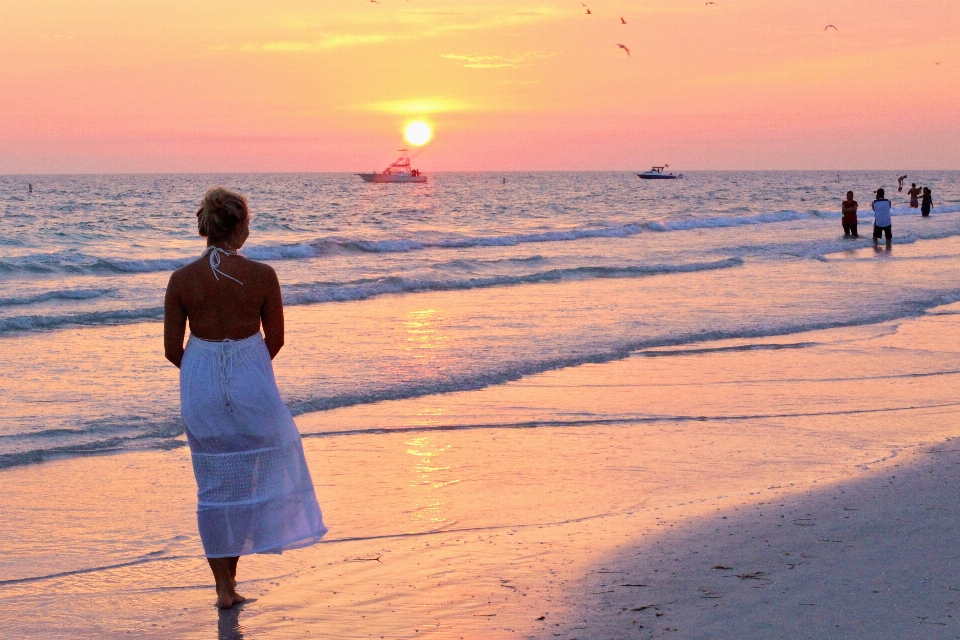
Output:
x=254 y=492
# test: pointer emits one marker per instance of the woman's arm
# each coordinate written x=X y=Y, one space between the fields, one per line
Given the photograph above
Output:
x=271 y=315
x=174 y=323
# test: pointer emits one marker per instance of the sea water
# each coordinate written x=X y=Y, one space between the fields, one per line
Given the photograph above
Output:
x=404 y=290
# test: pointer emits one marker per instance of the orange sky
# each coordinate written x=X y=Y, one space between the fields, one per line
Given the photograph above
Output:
x=328 y=85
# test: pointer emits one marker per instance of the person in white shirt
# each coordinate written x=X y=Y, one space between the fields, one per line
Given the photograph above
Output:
x=882 y=225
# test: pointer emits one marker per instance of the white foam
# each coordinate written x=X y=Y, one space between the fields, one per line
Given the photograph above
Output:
x=78 y=263
x=47 y=296
x=280 y=252
x=326 y=292
x=93 y=318
x=686 y=224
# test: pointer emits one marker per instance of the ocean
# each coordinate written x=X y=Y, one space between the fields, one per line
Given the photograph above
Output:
x=399 y=291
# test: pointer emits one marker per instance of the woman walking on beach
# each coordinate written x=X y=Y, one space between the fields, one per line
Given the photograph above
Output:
x=254 y=490
x=849 y=221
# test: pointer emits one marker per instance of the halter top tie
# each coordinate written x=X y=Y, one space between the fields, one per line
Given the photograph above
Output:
x=215 y=253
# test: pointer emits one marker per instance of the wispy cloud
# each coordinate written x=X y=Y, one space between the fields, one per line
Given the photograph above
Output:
x=327 y=42
x=421 y=106
x=336 y=41
x=496 y=62
x=480 y=62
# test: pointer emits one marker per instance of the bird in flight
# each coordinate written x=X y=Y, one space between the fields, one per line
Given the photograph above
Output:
x=709 y=3
x=830 y=26
x=622 y=21
x=624 y=47
x=588 y=11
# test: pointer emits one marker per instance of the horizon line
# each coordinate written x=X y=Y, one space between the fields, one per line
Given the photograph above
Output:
x=461 y=171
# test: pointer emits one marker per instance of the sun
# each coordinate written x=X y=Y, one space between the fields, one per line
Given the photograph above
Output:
x=418 y=133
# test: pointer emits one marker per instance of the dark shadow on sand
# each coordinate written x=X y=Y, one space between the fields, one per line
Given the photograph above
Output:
x=228 y=622
x=874 y=557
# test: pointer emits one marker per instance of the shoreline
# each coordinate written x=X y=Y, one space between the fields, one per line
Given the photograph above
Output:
x=285 y=589
x=442 y=341
x=442 y=527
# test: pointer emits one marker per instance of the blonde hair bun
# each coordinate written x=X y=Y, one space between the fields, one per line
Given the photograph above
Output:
x=220 y=213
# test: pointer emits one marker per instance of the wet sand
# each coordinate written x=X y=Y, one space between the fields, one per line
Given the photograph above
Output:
x=875 y=557
x=529 y=509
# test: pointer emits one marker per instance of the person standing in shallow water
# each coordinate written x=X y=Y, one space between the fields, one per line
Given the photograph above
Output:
x=849 y=220
x=254 y=491
x=882 y=224
x=926 y=202
x=914 y=194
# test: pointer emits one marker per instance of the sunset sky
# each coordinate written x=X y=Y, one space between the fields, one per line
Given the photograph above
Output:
x=329 y=85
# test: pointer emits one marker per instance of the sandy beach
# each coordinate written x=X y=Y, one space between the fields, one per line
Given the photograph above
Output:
x=529 y=320
x=595 y=501
x=873 y=557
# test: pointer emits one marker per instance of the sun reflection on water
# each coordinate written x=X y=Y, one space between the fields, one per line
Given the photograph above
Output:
x=427 y=417
x=422 y=332
x=430 y=476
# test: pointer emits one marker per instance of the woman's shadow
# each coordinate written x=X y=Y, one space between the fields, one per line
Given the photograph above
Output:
x=228 y=625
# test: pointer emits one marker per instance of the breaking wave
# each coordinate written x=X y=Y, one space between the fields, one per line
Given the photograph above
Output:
x=369 y=288
x=47 y=296
x=364 y=289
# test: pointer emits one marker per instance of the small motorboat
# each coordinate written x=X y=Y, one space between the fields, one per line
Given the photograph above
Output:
x=656 y=173
x=398 y=171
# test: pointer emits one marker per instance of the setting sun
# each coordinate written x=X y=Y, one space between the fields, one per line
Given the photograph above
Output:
x=418 y=133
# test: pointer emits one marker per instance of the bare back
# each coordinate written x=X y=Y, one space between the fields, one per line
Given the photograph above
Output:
x=222 y=309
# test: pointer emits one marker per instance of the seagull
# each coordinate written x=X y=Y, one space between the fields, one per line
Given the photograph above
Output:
x=588 y=11
x=830 y=26
x=624 y=47
x=709 y=3
x=622 y=21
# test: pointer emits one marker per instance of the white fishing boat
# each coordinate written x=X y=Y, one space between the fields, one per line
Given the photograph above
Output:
x=398 y=171
x=656 y=173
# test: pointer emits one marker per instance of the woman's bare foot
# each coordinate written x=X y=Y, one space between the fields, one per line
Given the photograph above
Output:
x=229 y=599
x=225 y=574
